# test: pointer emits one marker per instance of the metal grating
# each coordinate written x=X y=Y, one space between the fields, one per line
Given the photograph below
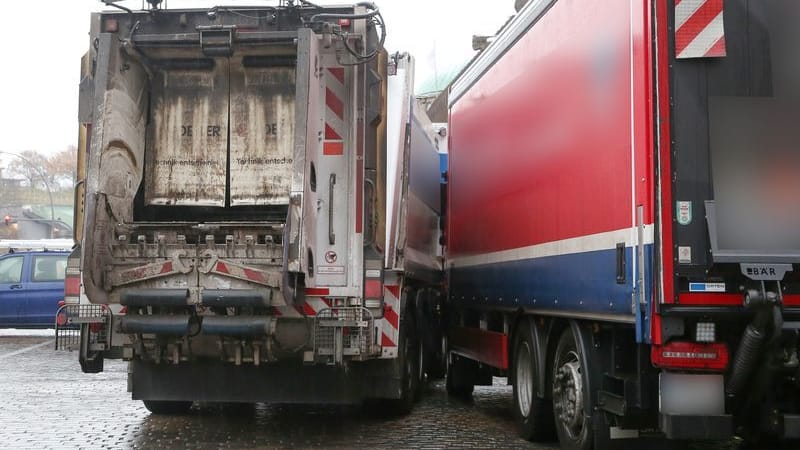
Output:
x=343 y=332
x=69 y=319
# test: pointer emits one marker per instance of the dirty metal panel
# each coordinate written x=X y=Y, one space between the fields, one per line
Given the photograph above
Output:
x=262 y=134
x=188 y=146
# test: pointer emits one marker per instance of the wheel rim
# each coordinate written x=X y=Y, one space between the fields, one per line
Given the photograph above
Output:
x=568 y=394
x=524 y=379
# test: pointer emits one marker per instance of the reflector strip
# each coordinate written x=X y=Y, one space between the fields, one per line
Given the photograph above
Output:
x=688 y=355
x=333 y=148
x=335 y=129
x=390 y=324
x=334 y=103
x=317 y=291
x=338 y=73
x=242 y=273
x=699 y=29
x=330 y=133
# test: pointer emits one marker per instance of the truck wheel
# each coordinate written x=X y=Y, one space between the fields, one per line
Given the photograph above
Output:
x=437 y=363
x=572 y=416
x=167 y=407
x=408 y=358
x=533 y=414
x=457 y=381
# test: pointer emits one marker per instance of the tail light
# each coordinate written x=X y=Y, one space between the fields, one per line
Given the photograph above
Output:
x=72 y=282
x=690 y=356
x=61 y=315
x=373 y=289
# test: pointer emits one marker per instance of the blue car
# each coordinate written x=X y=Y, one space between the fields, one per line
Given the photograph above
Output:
x=31 y=286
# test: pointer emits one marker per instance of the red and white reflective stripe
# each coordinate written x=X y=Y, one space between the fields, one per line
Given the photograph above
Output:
x=311 y=307
x=335 y=129
x=145 y=272
x=390 y=324
x=240 y=272
x=699 y=29
x=314 y=305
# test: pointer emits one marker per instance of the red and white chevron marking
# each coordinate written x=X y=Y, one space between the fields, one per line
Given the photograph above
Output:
x=389 y=326
x=699 y=30
x=310 y=308
x=240 y=272
x=335 y=129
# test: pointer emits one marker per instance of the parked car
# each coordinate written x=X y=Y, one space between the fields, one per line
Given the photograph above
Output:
x=31 y=285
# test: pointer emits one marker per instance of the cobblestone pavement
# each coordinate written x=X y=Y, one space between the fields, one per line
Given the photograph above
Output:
x=46 y=402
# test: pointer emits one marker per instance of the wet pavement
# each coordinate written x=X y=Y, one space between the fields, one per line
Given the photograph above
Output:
x=46 y=402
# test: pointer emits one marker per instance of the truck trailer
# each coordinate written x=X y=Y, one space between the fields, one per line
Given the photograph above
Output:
x=258 y=206
x=622 y=224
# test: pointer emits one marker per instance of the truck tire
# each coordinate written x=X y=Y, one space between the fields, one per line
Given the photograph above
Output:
x=458 y=381
x=534 y=415
x=428 y=325
x=437 y=363
x=167 y=407
x=572 y=413
x=408 y=359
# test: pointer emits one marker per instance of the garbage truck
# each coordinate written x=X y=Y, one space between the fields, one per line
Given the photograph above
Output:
x=257 y=211
x=622 y=221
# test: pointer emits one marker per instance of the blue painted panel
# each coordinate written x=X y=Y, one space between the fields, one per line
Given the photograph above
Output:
x=575 y=283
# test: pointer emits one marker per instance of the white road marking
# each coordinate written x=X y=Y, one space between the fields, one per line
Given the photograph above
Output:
x=27 y=349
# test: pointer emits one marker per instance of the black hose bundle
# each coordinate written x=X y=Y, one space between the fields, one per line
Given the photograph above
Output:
x=373 y=15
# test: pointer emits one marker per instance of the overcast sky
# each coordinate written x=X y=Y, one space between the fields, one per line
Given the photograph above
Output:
x=42 y=41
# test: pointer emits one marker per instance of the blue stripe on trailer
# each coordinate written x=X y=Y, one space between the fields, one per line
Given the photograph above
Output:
x=578 y=283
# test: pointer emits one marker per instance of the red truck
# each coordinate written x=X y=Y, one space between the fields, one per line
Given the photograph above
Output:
x=622 y=220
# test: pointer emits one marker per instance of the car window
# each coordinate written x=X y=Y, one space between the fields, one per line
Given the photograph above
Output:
x=11 y=269
x=49 y=268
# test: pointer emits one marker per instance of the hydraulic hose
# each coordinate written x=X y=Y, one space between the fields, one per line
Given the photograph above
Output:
x=745 y=359
x=748 y=353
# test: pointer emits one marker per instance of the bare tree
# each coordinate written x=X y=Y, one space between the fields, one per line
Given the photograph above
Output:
x=32 y=165
x=62 y=167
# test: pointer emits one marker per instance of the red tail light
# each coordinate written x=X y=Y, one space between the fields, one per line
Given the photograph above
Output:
x=373 y=288
x=72 y=286
x=72 y=282
x=690 y=356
